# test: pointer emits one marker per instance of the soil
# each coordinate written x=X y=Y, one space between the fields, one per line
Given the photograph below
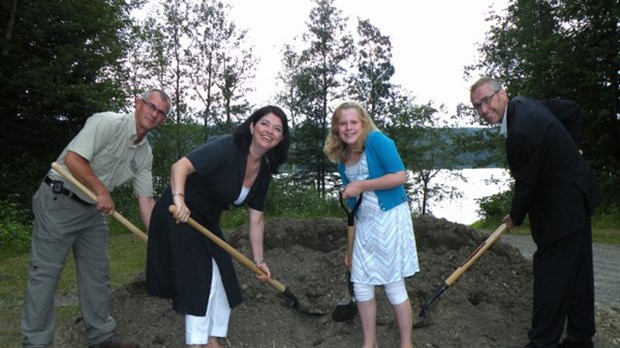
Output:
x=488 y=306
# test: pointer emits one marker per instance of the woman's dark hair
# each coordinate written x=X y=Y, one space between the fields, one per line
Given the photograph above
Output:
x=278 y=154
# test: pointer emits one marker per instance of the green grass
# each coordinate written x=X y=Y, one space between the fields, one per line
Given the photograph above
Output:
x=604 y=230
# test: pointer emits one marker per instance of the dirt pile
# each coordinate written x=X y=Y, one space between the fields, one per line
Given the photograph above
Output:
x=489 y=306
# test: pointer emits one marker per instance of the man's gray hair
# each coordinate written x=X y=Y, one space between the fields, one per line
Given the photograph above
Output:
x=495 y=84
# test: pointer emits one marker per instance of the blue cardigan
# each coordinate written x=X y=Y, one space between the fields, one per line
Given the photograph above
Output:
x=383 y=158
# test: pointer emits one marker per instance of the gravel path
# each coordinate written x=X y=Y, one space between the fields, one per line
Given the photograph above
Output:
x=606 y=267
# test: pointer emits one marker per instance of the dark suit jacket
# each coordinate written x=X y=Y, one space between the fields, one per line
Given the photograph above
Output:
x=553 y=183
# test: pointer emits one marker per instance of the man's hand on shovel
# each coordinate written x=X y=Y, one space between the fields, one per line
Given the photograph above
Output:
x=69 y=177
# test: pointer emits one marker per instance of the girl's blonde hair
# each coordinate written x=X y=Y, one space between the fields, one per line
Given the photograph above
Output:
x=335 y=149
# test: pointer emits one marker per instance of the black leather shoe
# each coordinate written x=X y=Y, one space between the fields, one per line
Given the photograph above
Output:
x=568 y=343
x=113 y=343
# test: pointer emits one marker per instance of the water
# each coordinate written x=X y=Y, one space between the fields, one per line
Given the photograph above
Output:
x=478 y=185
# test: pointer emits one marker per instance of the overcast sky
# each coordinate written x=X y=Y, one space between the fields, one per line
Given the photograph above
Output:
x=432 y=40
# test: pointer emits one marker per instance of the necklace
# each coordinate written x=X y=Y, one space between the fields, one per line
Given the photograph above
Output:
x=255 y=168
x=252 y=172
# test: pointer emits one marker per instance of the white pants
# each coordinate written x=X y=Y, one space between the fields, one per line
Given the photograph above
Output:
x=395 y=292
x=215 y=322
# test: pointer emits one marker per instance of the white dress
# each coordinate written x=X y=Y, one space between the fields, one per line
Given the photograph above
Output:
x=384 y=250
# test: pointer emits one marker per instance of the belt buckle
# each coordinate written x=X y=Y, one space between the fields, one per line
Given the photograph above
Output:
x=58 y=186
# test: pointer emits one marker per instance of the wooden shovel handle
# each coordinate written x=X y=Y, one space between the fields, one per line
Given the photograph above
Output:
x=350 y=240
x=68 y=176
x=232 y=251
x=476 y=254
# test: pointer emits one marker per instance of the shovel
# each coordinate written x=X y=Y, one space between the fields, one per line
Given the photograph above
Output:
x=424 y=315
x=291 y=299
x=68 y=176
x=346 y=310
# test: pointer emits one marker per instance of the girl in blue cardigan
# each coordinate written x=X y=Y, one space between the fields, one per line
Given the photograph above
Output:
x=384 y=251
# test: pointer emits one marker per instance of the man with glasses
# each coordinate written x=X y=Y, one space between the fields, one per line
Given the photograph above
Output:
x=556 y=188
x=110 y=150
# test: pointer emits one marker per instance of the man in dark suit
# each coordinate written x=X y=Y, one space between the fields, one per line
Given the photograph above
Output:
x=555 y=186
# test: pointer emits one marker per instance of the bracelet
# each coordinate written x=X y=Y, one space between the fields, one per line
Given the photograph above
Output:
x=178 y=194
x=259 y=262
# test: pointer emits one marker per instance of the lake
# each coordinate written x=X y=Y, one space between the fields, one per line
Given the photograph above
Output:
x=478 y=185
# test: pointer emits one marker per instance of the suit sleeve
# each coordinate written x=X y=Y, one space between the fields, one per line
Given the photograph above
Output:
x=524 y=149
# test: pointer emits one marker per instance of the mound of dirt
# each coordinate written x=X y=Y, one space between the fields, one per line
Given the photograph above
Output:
x=488 y=306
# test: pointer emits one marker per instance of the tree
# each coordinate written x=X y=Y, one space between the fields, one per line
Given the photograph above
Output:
x=371 y=84
x=570 y=49
x=289 y=97
x=319 y=83
x=426 y=151
x=60 y=63
x=238 y=67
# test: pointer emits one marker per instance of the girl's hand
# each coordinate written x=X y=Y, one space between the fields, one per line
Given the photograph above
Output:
x=351 y=190
x=347 y=262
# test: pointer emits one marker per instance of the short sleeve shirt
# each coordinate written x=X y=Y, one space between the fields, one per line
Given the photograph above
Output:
x=107 y=142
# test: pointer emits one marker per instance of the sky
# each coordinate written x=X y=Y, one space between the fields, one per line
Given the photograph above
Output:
x=432 y=40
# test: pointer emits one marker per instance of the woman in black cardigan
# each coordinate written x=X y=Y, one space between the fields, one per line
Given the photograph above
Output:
x=184 y=265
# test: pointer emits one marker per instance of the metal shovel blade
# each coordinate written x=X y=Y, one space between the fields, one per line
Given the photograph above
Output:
x=293 y=302
x=345 y=311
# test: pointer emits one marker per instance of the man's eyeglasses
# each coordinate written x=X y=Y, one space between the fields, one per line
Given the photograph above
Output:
x=485 y=101
x=154 y=108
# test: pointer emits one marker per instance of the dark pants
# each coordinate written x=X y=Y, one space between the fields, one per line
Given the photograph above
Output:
x=564 y=291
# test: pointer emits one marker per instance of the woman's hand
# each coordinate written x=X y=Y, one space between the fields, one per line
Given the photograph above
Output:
x=181 y=215
x=263 y=267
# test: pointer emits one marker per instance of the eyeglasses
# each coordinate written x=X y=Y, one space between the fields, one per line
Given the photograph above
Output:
x=154 y=108
x=485 y=101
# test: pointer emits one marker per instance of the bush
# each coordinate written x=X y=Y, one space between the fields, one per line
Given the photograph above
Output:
x=286 y=198
x=494 y=207
x=15 y=229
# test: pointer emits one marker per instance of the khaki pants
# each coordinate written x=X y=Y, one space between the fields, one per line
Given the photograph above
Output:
x=62 y=224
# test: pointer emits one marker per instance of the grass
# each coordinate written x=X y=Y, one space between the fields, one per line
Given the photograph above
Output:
x=602 y=231
x=128 y=259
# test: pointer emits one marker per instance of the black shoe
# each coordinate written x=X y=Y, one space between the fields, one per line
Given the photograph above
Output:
x=567 y=343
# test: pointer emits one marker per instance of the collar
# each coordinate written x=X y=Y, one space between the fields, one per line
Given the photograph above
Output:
x=503 y=129
x=133 y=136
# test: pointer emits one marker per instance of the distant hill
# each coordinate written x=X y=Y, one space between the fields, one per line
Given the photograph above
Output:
x=460 y=148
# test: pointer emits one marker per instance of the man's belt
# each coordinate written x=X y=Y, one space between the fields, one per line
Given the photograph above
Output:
x=61 y=189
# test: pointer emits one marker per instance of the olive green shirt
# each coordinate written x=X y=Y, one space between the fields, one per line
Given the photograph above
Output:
x=107 y=142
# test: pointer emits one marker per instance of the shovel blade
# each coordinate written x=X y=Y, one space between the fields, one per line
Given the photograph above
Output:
x=424 y=318
x=344 y=311
x=292 y=301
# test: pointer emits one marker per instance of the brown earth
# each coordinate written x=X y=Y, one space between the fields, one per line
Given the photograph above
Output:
x=489 y=305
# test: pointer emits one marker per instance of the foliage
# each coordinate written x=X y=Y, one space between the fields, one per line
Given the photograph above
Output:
x=570 y=49
x=317 y=84
x=285 y=198
x=371 y=84
x=15 y=229
x=495 y=207
x=60 y=63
